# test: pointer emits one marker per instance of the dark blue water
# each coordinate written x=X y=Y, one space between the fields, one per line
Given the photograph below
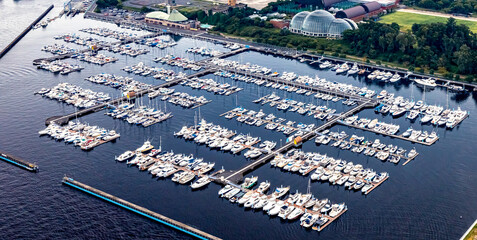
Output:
x=433 y=197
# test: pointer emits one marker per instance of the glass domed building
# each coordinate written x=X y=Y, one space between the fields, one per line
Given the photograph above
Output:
x=297 y=21
x=317 y=23
x=320 y=23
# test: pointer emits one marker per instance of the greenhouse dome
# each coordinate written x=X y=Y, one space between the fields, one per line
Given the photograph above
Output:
x=317 y=23
x=297 y=21
x=337 y=27
x=320 y=23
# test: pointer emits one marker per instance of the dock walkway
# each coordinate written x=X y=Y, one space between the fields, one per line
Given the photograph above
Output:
x=139 y=210
x=61 y=120
x=236 y=176
x=18 y=162
x=269 y=78
x=390 y=135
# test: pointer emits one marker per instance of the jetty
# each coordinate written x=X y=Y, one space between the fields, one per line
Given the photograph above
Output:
x=61 y=120
x=390 y=135
x=237 y=176
x=18 y=162
x=269 y=78
x=24 y=33
x=139 y=210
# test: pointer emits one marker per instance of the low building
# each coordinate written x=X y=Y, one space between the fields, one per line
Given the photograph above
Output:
x=170 y=19
x=280 y=23
x=361 y=12
x=320 y=23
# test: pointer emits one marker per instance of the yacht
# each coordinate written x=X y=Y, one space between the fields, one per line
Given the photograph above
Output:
x=426 y=82
x=337 y=209
x=125 y=156
x=200 y=182
x=353 y=69
x=280 y=191
x=145 y=147
x=263 y=187
x=249 y=182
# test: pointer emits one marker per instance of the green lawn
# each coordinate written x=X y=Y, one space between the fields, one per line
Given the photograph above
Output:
x=405 y=20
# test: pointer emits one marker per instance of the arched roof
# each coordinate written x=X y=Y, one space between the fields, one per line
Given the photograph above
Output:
x=351 y=23
x=327 y=3
x=175 y=16
x=371 y=6
x=338 y=26
x=298 y=19
x=351 y=12
x=318 y=22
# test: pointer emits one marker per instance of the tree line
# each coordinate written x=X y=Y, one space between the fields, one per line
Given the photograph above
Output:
x=449 y=6
x=446 y=48
x=434 y=46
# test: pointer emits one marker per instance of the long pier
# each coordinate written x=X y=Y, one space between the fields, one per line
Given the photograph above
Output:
x=18 y=162
x=390 y=135
x=236 y=176
x=61 y=120
x=139 y=210
x=296 y=84
x=24 y=33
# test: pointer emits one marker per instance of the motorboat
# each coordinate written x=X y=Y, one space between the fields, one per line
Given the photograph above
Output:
x=249 y=182
x=200 y=182
x=145 y=147
x=125 y=156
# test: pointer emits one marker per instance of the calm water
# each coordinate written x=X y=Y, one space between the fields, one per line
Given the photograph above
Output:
x=422 y=200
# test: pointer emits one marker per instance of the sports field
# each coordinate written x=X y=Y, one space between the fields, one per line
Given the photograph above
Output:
x=405 y=20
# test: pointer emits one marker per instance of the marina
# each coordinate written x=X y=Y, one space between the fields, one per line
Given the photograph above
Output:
x=336 y=171
x=80 y=134
x=359 y=144
x=311 y=124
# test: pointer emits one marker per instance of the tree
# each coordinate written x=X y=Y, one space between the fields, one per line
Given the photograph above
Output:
x=465 y=60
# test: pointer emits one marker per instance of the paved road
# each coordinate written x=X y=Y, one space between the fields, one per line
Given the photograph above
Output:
x=437 y=14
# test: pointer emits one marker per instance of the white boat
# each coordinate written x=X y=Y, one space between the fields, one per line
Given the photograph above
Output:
x=200 y=182
x=296 y=213
x=125 y=156
x=337 y=209
x=225 y=190
x=426 y=82
x=145 y=147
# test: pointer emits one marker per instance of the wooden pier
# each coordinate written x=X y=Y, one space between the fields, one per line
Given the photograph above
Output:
x=269 y=78
x=61 y=120
x=236 y=176
x=279 y=125
x=139 y=210
x=390 y=135
x=18 y=162
x=408 y=159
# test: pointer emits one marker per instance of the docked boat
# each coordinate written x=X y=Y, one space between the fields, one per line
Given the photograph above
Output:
x=125 y=156
x=145 y=147
x=431 y=83
x=200 y=182
x=249 y=182
x=280 y=191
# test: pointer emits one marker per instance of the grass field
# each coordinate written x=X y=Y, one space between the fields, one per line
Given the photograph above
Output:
x=405 y=20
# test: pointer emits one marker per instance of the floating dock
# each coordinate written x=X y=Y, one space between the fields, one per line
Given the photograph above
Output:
x=390 y=135
x=61 y=120
x=18 y=162
x=139 y=210
x=236 y=176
